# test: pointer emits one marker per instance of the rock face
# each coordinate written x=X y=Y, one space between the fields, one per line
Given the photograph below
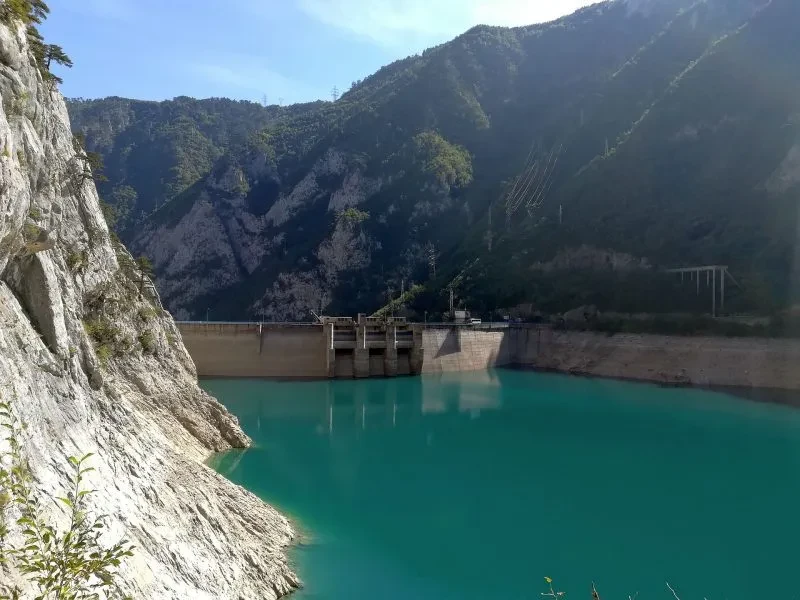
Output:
x=91 y=363
x=240 y=243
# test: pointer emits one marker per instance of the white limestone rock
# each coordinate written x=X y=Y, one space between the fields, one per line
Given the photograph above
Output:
x=138 y=408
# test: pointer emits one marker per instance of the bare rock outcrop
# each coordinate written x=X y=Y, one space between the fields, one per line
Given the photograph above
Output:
x=91 y=362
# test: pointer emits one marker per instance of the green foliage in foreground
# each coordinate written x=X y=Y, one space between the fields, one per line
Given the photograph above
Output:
x=63 y=564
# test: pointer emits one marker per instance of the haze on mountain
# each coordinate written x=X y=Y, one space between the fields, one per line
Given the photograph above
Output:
x=558 y=164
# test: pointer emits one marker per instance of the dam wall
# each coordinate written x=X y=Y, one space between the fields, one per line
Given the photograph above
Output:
x=460 y=348
x=345 y=349
x=253 y=350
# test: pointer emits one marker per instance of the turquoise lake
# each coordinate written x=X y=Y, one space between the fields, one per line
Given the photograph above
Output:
x=478 y=485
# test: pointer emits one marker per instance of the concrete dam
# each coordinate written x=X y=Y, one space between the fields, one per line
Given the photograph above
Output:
x=341 y=347
x=348 y=348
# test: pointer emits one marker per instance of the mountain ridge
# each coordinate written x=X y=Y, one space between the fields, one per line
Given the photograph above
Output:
x=259 y=235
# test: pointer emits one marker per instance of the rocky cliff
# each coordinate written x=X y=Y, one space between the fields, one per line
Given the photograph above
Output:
x=91 y=362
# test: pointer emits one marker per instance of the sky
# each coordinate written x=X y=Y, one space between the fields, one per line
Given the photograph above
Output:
x=287 y=50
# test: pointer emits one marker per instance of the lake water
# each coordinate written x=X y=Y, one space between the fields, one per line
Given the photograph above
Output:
x=478 y=485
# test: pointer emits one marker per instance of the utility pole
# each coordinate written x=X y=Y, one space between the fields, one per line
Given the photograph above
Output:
x=264 y=99
x=489 y=230
x=432 y=259
x=560 y=214
x=714 y=294
x=335 y=93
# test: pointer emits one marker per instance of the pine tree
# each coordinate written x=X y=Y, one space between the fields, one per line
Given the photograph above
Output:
x=53 y=52
x=38 y=11
x=145 y=270
x=36 y=43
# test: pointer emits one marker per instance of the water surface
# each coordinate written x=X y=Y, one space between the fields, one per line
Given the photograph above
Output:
x=477 y=485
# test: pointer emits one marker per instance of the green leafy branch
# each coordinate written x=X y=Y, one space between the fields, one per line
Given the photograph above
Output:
x=72 y=564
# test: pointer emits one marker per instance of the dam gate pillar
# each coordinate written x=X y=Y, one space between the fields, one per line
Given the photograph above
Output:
x=390 y=355
x=361 y=351
x=330 y=351
x=417 y=357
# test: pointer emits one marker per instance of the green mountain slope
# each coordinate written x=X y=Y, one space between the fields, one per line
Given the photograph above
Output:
x=708 y=175
x=548 y=164
x=153 y=151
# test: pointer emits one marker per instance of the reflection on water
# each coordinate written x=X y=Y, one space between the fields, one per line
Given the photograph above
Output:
x=476 y=485
x=330 y=405
x=472 y=393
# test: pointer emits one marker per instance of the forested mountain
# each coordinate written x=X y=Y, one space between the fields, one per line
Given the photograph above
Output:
x=557 y=164
x=154 y=150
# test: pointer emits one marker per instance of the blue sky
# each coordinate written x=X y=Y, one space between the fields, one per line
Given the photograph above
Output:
x=295 y=50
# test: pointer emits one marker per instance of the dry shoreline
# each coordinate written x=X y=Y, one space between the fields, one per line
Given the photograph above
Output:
x=761 y=395
x=706 y=362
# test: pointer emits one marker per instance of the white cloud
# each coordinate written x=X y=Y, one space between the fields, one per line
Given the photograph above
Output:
x=396 y=22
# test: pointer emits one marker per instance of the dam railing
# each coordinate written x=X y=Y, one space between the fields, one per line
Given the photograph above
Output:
x=428 y=325
x=252 y=323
